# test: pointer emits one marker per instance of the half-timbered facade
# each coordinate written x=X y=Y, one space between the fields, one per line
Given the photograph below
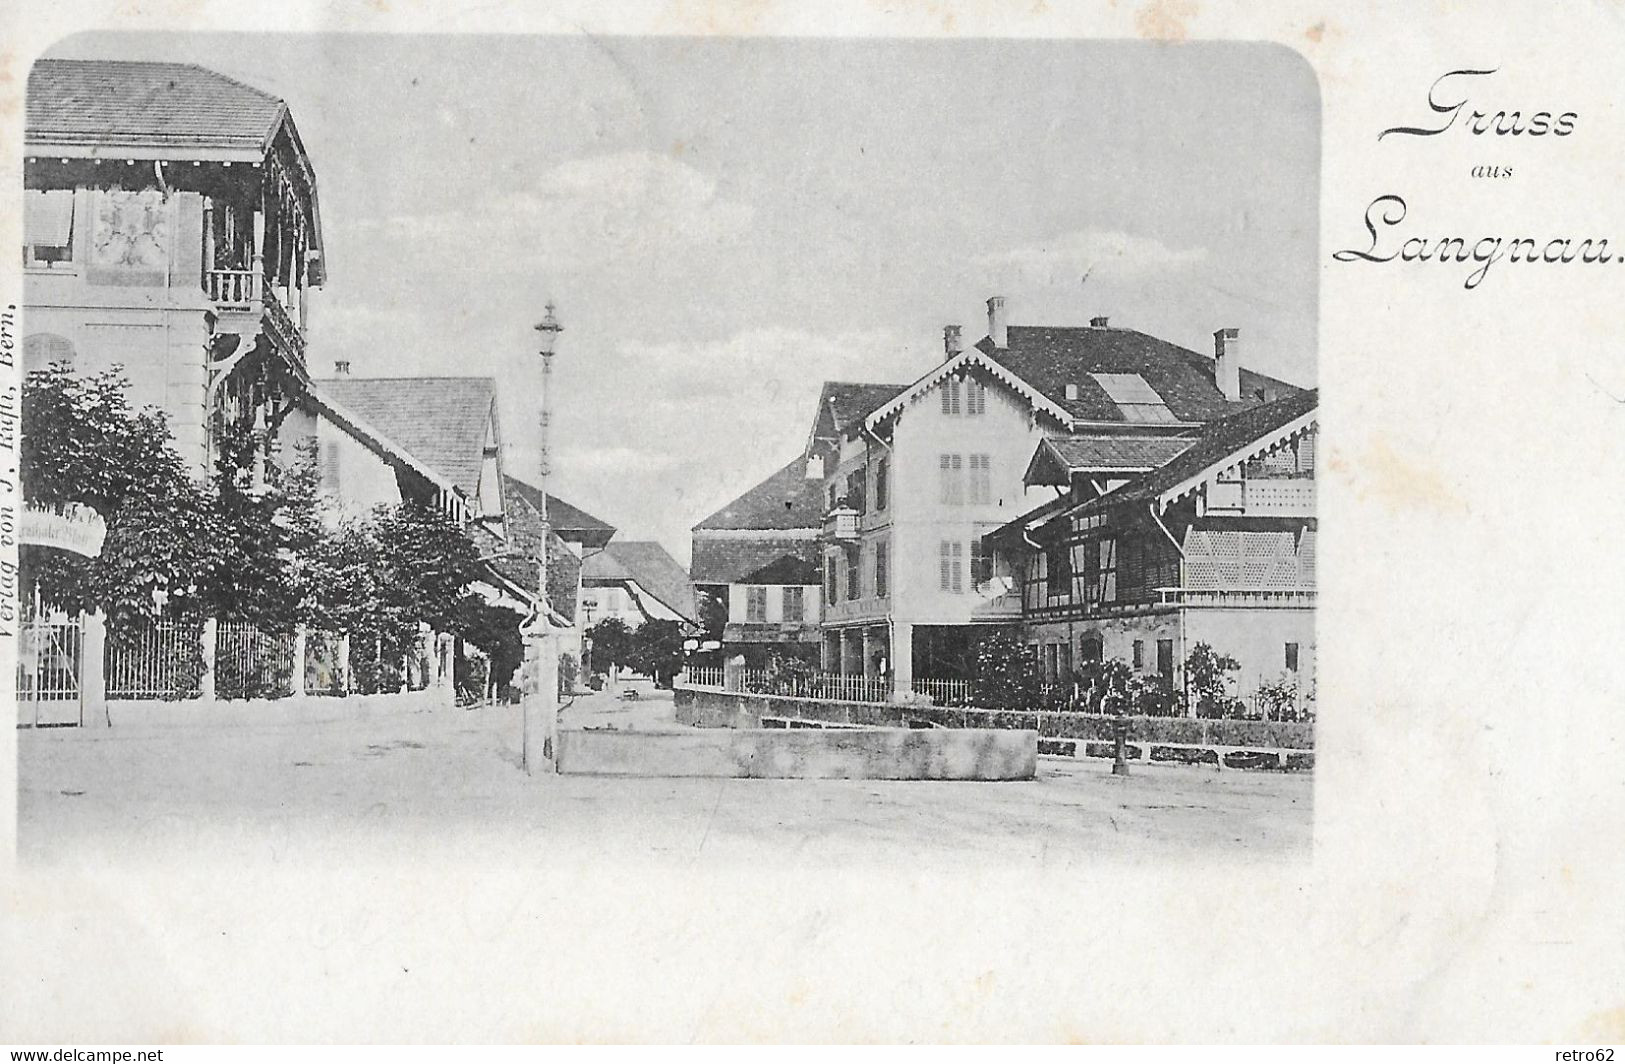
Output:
x=1215 y=545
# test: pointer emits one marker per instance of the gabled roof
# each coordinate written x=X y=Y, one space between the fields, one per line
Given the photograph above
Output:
x=842 y=404
x=650 y=566
x=1223 y=443
x=787 y=499
x=1049 y=359
x=571 y=522
x=959 y=364
x=1227 y=442
x=761 y=559
x=442 y=422
x=114 y=102
x=1058 y=458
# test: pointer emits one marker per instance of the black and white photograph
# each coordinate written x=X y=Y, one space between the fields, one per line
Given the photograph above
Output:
x=782 y=505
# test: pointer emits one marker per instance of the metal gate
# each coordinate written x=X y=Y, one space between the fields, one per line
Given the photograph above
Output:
x=50 y=670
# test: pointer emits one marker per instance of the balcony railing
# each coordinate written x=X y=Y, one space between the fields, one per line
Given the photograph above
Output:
x=245 y=290
x=235 y=289
x=1276 y=597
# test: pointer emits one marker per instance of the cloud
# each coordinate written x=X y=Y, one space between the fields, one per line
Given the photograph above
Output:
x=598 y=211
x=1066 y=258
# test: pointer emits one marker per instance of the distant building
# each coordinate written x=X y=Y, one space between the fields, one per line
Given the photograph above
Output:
x=635 y=582
x=1215 y=546
x=757 y=558
x=170 y=226
x=575 y=534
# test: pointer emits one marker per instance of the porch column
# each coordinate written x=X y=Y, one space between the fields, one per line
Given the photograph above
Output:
x=92 y=672
x=869 y=646
x=258 y=280
x=829 y=651
x=902 y=658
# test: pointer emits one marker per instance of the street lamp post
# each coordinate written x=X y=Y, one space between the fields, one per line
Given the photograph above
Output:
x=546 y=699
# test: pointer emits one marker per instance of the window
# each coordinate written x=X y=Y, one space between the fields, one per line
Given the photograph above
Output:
x=952 y=563
x=833 y=497
x=756 y=605
x=975 y=398
x=1063 y=661
x=881 y=472
x=854 y=561
x=981 y=478
x=950 y=468
x=1104 y=554
x=1292 y=657
x=48 y=228
x=795 y=605
x=1091 y=648
x=1165 y=658
x=981 y=565
x=1139 y=653
x=830 y=590
x=950 y=397
x=856 y=495
x=882 y=576
x=1050 y=656
x=1058 y=569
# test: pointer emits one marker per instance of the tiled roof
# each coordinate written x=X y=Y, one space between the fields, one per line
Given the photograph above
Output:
x=74 y=101
x=1218 y=441
x=1116 y=452
x=572 y=522
x=441 y=421
x=764 y=559
x=1049 y=359
x=650 y=566
x=843 y=403
x=515 y=560
x=787 y=499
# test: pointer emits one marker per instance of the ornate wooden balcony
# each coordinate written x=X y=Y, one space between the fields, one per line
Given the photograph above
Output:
x=248 y=307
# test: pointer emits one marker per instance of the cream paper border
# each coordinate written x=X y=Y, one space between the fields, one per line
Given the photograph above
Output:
x=1467 y=873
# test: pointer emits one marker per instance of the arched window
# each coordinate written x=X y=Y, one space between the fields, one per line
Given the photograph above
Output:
x=41 y=350
x=1091 y=648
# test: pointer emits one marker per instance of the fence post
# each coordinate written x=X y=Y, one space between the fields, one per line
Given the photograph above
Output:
x=344 y=663
x=92 y=671
x=733 y=673
x=205 y=685
x=300 y=637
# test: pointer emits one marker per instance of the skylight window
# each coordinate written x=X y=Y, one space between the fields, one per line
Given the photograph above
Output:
x=1134 y=397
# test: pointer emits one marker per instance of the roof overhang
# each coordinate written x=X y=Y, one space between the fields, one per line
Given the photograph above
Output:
x=959 y=364
x=375 y=440
x=1255 y=447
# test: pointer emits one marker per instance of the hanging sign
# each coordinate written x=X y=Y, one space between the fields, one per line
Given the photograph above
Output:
x=72 y=527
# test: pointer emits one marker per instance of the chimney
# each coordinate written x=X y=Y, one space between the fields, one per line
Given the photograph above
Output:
x=341 y=367
x=996 y=329
x=951 y=344
x=1227 y=363
x=1098 y=322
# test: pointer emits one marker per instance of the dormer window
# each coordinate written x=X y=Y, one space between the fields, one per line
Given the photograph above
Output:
x=1072 y=392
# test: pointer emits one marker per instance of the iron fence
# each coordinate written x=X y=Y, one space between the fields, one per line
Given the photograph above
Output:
x=160 y=660
x=50 y=650
x=249 y=663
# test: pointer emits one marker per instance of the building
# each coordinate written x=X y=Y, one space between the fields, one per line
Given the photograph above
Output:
x=757 y=559
x=574 y=535
x=635 y=581
x=1215 y=546
x=170 y=226
x=917 y=481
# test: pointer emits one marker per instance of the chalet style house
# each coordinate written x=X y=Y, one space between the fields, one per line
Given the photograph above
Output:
x=170 y=225
x=918 y=477
x=1215 y=546
x=635 y=581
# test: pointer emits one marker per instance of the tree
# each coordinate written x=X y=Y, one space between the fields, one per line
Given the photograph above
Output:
x=83 y=443
x=1007 y=675
x=1207 y=676
x=611 y=644
x=657 y=650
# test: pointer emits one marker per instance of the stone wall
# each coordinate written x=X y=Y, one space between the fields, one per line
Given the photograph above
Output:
x=1224 y=742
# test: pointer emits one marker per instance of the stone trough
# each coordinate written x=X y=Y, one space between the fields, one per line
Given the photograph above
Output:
x=867 y=754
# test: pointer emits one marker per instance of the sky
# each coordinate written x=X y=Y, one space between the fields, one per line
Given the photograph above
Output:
x=724 y=224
